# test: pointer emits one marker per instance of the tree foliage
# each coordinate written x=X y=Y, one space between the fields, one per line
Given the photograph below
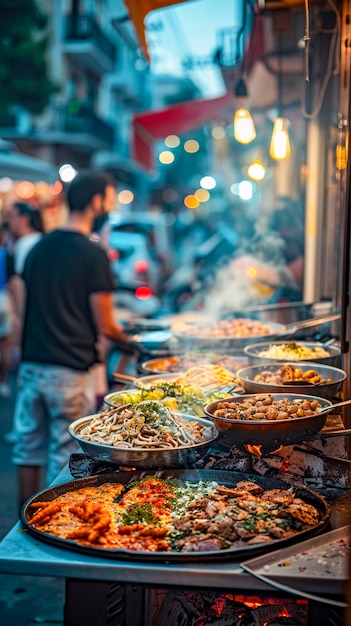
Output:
x=24 y=79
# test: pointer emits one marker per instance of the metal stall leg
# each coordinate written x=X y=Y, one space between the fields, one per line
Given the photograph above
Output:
x=92 y=603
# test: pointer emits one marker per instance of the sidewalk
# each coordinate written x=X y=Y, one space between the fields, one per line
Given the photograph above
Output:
x=24 y=600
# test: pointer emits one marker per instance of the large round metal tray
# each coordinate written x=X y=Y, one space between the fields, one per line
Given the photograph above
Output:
x=229 y=479
x=232 y=343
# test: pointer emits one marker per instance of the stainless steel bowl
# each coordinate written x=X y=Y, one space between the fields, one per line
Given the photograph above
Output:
x=324 y=390
x=253 y=351
x=181 y=362
x=141 y=458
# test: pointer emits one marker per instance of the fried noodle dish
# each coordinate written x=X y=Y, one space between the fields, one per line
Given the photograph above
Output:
x=146 y=425
x=165 y=515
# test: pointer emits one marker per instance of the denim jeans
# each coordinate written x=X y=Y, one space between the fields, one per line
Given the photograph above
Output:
x=49 y=397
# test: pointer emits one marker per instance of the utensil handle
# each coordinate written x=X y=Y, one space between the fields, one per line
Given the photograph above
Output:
x=327 y=409
x=123 y=377
x=314 y=321
x=336 y=433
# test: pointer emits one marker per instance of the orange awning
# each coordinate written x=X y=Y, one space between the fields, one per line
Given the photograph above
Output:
x=138 y=10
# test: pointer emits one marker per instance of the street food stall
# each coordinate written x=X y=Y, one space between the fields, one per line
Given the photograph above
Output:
x=248 y=524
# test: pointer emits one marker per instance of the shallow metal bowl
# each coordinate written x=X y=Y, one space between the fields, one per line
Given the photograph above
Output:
x=324 y=390
x=271 y=433
x=141 y=458
x=253 y=353
x=178 y=363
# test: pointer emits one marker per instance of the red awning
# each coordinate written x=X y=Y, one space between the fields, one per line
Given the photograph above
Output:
x=173 y=120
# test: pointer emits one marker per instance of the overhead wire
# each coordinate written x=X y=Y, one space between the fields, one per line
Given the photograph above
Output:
x=329 y=70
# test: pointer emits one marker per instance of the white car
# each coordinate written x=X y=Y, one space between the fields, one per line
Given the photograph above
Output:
x=132 y=261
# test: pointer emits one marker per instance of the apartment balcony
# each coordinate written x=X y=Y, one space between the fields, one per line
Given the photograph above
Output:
x=74 y=123
x=86 y=44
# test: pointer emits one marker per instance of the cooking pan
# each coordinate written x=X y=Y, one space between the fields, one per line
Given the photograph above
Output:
x=229 y=479
x=184 y=334
x=271 y=433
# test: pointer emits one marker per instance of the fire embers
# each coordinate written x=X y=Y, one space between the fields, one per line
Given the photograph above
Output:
x=218 y=609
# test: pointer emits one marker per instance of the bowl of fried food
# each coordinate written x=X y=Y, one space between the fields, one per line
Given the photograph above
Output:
x=268 y=419
x=303 y=378
x=147 y=435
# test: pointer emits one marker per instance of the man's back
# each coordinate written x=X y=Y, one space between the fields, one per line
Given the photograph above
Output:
x=60 y=274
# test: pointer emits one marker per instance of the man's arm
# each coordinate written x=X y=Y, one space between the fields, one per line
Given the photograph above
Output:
x=102 y=308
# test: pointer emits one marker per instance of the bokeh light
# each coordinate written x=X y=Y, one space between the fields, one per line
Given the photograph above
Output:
x=191 y=146
x=125 y=196
x=56 y=188
x=208 y=182
x=6 y=184
x=202 y=194
x=246 y=190
x=25 y=190
x=191 y=201
x=143 y=292
x=172 y=141
x=218 y=132
x=256 y=170
x=67 y=172
x=166 y=157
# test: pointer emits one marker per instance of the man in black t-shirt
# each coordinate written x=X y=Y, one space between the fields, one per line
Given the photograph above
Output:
x=68 y=305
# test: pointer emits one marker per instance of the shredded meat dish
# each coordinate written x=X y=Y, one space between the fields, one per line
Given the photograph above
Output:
x=157 y=515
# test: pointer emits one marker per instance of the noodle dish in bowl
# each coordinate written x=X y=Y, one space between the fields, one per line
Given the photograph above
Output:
x=145 y=435
x=273 y=351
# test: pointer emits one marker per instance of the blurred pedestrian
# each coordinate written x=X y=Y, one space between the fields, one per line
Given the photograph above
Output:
x=69 y=288
x=26 y=229
x=6 y=312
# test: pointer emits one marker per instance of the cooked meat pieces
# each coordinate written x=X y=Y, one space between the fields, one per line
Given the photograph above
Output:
x=278 y=496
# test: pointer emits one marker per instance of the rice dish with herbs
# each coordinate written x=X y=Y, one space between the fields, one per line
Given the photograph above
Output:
x=294 y=352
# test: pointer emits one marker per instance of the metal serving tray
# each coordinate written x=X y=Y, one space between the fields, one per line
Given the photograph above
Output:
x=324 y=558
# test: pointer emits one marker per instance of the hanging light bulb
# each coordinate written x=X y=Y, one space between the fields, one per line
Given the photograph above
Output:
x=280 y=143
x=244 y=127
x=279 y=148
x=256 y=170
